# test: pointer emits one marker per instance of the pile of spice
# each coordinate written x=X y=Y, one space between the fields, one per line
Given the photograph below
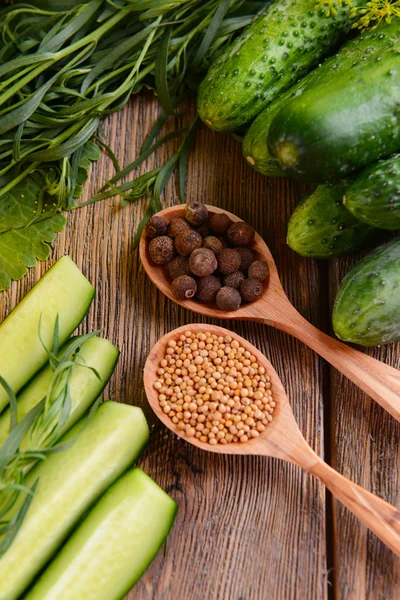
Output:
x=214 y=389
x=208 y=257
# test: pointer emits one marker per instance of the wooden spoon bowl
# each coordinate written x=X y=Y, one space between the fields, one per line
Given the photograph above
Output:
x=281 y=439
x=377 y=379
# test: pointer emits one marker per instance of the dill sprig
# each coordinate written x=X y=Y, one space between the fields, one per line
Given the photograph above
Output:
x=375 y=12
x=366 y=16
x=330 y=6
x=35 y=437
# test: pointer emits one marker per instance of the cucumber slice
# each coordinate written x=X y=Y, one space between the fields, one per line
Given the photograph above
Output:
x=85 y=387
x=113 y=546
x=63 y=290
x=69 y=483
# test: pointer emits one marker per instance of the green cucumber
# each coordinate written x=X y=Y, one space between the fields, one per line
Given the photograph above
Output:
x=70 y=481
x=367 y=306
x=85 y=387
x=274 y=52
x=346 y=122
x=255 y=143
x=374 y=197
x=113 y=546
x=62 y=291
x=321 y=227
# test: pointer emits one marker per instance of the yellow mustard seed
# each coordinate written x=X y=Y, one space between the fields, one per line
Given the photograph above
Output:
x=213 y=389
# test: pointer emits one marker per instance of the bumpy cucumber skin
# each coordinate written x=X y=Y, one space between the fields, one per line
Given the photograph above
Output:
x=367 y=306
x=113 y=546
x=279 y=48
x=345 y=123
x=321 y=227
x=255 y=143
x=374 y=197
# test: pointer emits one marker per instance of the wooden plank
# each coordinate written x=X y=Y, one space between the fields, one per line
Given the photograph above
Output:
x=248 y=528
x=365 y=448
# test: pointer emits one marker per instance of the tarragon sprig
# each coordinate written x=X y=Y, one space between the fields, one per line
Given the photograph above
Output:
x=35 y=437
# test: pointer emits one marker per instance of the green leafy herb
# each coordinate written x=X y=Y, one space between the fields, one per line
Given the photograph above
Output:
x=30 y=213
x=62 y=71
x=36 y=435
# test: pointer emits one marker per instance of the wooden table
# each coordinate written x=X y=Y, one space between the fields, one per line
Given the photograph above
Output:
x=248 y=528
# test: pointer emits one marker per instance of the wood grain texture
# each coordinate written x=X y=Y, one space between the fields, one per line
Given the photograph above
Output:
x=248 y=528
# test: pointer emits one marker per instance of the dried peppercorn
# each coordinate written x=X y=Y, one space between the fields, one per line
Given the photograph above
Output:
x=196 y=213
x=228 y=261
x=259 y=270
x=161 y=250
x=241 y=234
x=178 y=266
x=184 y=287
x=213 y=243
x=202 y=262
x=234 y=280
x=187 y=241
x=207 y=288
x=219 y=223
x=155 y=227
x=176 y=226
x=251 y=290
x=247 y=258
x=203 y=230
x=228 y=299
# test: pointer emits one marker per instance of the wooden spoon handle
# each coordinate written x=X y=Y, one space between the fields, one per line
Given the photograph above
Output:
x=377 y=379
x=382 y=518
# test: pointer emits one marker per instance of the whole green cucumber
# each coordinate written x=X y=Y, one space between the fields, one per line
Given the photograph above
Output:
x=346 y=123
x=69 y=482
x=367 y=305
x=374 y=197
x=321 y=227
x=363 y=48
x=113 y=546
x=274 y=52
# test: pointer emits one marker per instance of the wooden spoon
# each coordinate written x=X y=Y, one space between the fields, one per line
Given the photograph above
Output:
x=282 y=439
x=377 y=379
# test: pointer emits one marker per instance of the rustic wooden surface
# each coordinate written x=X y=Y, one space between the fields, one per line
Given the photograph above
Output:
x=247 y=528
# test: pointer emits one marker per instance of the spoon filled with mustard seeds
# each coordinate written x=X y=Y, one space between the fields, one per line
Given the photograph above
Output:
x=221 y=394
x=378 y=380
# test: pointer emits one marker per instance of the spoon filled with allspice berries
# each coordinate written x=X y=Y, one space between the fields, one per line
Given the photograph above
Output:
x=215 y=390
x=209 y=261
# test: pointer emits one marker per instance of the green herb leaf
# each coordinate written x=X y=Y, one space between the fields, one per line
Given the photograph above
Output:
x=24 y=235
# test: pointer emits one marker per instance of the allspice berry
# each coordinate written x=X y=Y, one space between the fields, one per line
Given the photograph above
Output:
x=228 y=299
x=178 y=266
x=213 y=243
x=203 y=230
x=219 y=223
x=184 y=287
x=207 y=288
x=241 y=234
x=202 y=262
x=176 y=226
x=259 y=270
x=161 y=250
x=188 y=240
x=228 y=261
x=247 y=258
x=234 y=280
x=251 y=290
x=155 y=227
x=196 y=213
